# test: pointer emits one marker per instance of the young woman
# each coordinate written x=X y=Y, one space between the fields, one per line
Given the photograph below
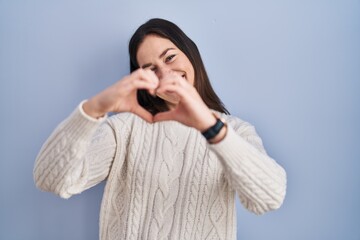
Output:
x=172 y=157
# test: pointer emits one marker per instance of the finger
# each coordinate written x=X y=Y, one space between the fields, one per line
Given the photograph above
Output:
x=169 y=97
x=171 y=89
x=139 y=84
x=186 y=95
x=165 y=116
x=147 y=75
x=173 y=85
x=141 y=112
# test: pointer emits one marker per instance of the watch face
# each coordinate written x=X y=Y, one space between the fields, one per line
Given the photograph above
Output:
x=169 y=97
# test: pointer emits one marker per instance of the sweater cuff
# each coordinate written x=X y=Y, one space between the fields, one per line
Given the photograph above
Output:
x=79 y=124
x=90 y=118
x=228 y=138
x=234 y=150
x=237 y=154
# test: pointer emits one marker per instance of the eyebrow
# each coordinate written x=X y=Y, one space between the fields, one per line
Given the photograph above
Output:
x=160 y=56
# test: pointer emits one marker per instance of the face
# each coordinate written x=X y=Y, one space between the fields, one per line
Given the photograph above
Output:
x=162 y=56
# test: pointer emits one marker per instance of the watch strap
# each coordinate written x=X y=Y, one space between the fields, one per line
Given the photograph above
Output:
x=214 y=130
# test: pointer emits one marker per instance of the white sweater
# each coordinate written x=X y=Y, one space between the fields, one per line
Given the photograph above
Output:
x=164 y=181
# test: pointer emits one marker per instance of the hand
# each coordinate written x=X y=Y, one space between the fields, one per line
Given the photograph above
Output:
x=190 y=109
x=122 y=96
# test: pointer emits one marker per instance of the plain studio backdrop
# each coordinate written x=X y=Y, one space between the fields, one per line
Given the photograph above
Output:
x=291 y=68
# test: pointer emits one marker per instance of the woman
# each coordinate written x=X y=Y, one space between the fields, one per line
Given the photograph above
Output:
x=171 y=163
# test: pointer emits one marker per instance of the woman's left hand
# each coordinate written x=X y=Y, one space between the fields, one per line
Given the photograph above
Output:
x=190 y=110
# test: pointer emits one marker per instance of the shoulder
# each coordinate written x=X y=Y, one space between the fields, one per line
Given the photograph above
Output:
x=233 y=121
x=240 y=126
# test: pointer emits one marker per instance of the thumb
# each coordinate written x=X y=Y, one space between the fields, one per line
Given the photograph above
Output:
x=141 y=112
x=164 y=116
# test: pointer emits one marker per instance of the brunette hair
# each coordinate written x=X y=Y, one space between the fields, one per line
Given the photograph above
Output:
x=171 y=31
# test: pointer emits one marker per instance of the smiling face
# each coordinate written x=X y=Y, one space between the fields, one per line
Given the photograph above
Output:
x=162 y=56
x=149 y=41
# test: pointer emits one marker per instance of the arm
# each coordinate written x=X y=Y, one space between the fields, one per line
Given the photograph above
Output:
x=76 y=156
x=69 y=161
x=259 y=181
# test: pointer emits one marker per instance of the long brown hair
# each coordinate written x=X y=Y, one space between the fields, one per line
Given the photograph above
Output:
x=171 y=31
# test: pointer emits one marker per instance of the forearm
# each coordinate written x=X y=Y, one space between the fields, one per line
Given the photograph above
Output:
x=258 y=179
x=60 y=160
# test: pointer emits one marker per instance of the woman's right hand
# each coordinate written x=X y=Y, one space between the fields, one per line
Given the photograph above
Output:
x=122 y=96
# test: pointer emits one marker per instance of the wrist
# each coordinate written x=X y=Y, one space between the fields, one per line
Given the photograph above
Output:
x=220 y=136
x=91 y=109
x=217 y=131
x=207 y=123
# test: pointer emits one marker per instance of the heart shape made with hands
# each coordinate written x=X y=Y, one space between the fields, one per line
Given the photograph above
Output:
x=185 y=104
x=168 y=78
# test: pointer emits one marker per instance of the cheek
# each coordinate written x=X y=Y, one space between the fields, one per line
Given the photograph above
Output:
x=187 y=66
x=191 y=73
x=192 y=78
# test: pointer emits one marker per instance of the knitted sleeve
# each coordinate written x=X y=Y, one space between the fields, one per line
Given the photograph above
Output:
x=258 y=180
x=76 y=156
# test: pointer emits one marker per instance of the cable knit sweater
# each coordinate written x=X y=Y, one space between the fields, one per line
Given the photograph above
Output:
x=164 y=180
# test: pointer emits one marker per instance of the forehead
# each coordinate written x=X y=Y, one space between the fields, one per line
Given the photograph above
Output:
x=151 y=48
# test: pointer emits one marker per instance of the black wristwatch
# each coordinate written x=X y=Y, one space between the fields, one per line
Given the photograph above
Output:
x=215 y=129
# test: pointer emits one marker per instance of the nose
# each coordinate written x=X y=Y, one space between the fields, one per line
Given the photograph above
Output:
x=162 y=71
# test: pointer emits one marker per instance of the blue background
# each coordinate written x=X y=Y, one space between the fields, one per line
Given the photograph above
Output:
x=291 y=68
